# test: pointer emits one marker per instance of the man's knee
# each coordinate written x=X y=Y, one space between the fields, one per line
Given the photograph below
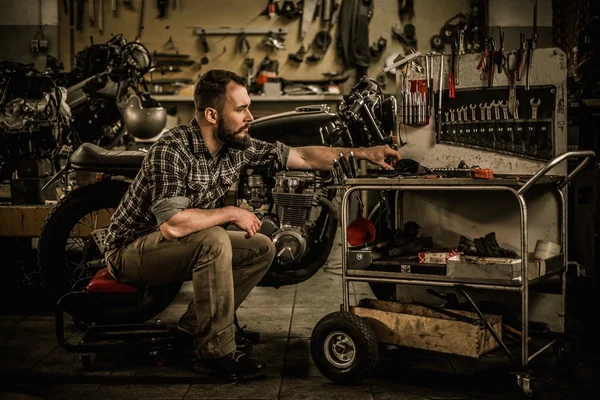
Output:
x=266 y=246
x=214 y=240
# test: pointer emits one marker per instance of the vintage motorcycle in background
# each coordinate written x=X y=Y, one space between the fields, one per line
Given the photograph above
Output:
x=45 y=114
x=297 y=208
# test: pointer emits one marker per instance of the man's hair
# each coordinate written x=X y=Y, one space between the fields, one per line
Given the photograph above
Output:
x=212 y=86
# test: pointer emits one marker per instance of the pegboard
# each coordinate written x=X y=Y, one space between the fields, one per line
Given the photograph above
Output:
x=547 y=80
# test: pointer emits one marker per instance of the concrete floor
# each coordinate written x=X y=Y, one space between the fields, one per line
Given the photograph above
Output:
x=34 y=366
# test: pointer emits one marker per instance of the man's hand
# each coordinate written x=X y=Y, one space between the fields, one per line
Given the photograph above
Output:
x=245 y=220
x=384 y=156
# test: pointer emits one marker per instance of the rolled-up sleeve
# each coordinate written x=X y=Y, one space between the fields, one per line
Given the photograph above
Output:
x=167 y=173
x=261 y=153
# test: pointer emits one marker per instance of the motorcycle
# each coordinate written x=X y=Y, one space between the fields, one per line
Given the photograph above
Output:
x=104 y=77
x=44 y=113
x=296 y=208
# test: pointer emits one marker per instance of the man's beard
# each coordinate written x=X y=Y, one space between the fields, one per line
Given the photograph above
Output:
x=234 y=139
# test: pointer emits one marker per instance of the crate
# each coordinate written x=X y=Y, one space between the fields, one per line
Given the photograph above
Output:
x=420 y=327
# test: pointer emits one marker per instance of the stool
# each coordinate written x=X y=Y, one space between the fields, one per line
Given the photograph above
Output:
x=91 y=304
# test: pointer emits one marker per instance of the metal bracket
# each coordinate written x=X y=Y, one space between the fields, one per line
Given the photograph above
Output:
x=226 y=30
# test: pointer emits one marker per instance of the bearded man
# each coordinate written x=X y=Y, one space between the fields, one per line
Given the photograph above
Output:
x=169 y=225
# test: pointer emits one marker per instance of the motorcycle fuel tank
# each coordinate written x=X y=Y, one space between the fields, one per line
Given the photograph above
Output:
x=301 y=127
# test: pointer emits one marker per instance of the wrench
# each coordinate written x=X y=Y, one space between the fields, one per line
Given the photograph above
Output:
x=516 y=112
x=464 y=112
x=482 y=108
x=446 y=114
x=451 y=114
x=496 y=106
x=504 y=106
x=473 y=107
x=534 y=106
x=488 y=111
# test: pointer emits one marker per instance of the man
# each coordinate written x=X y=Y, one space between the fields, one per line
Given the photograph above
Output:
x=183 y=178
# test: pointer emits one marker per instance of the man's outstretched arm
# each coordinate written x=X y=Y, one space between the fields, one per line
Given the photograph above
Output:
x=321 y=158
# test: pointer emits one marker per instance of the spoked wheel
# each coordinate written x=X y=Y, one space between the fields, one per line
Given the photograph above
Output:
x=344 y=348
x=66 y=246
x=66 y=250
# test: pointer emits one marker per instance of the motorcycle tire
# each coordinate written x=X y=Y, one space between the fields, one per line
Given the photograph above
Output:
x=57 y=259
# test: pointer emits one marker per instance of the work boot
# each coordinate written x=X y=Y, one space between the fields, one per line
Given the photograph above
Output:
x=187 y=334
x=235 y=365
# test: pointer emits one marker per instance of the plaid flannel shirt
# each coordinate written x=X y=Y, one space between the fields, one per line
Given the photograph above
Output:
x=180 y=165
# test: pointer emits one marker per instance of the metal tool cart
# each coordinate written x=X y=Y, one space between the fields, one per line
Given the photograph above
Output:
x=344 y=345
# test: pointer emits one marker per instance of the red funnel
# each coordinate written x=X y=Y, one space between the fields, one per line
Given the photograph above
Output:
x=360 y=231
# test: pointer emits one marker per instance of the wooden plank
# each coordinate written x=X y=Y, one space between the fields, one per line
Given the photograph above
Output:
x=419 y=327
x=23 y=220
x=28 y=220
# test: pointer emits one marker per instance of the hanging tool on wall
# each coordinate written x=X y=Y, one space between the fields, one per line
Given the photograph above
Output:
x=100 y=16
x=298 y=56
x=438 y=129
x=406 y=9
x=531 y=45
x=521 y=56
x=499 y=60
x=113 y=7
x=272 y=9
x=79 y=14
x=308 y=11
x=289 y=10
x=163 y=6
x=141 y=23
x=451 y=88
x=459 y=52
x=91 y=12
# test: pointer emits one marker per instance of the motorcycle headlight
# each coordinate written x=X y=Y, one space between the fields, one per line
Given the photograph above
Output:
x=138 y=56
x=387 y=115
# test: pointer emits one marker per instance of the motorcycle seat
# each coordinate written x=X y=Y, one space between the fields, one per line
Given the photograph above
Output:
x=91 y=157
x=104 y=282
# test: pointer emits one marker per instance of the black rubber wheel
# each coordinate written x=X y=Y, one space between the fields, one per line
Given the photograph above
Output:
x=64 y=251
x=344 y=348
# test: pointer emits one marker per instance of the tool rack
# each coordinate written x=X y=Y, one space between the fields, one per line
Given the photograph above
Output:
x=512 y=184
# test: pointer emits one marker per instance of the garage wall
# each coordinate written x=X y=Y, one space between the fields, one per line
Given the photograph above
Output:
x=20 y=22
x=238 y=13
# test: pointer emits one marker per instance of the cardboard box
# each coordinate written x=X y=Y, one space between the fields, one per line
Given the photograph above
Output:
x=423 y=328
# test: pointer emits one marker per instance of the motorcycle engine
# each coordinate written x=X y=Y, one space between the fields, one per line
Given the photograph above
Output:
x=31 y=116
x=293 y=196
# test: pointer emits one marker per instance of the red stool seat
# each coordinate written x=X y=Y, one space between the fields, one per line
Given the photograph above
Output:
x=104 y=282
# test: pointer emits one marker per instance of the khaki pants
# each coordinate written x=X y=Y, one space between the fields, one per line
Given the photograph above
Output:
x=223 y=266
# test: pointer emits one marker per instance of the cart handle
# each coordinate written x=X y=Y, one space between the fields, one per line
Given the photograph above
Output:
x=588 y=154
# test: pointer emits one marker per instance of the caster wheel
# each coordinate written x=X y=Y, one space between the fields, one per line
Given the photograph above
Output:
x=344 y=348
x=86 y=360
x=528 y=388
